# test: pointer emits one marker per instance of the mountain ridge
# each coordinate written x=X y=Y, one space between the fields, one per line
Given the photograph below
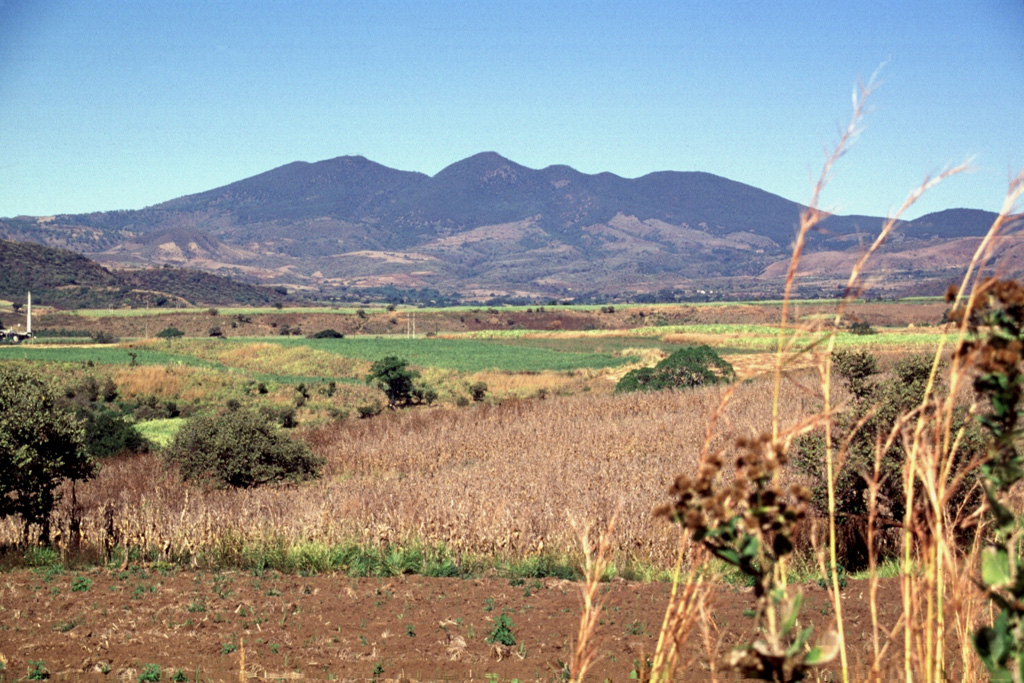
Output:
x=485 y=224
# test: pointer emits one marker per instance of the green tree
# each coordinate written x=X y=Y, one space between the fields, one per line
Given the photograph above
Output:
x=241 y=449
x=692 y=366
x=41 y=445
x=170 y=333
x=398 y=382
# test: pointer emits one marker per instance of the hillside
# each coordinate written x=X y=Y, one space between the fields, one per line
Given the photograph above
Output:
x=488 y=226
x=64 y=279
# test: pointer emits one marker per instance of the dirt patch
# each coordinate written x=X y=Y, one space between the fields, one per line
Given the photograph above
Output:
x=110 y=625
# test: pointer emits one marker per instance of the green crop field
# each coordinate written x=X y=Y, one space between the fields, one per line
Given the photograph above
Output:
x=99 y=355
x=462 y=354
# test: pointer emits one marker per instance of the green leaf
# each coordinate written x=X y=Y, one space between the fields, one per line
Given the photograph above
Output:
x=751 y=546
x=729 y=555
x=798 y=644
x=995 y=567
x=792 y=612
x=992 y=643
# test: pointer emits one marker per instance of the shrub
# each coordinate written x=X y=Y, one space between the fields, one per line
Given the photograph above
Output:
x=862 y=327
x=692 y=366
x=478 y=391
x=393 y=376
x=876 y=408
x=423 y=394
x=108 y=433
x=284 y=415
x=216 y=331
x=855 y=367
x=40 y=446
x=241 y=449
x=149 y=407
x=104 y=337
x=1000 y=642
x=367 y=411
x=170 y=333
x=751 y=524
x=109 y=390
x=327 y=334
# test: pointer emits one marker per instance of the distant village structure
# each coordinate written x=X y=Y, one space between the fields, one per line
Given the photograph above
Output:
x=13 y=335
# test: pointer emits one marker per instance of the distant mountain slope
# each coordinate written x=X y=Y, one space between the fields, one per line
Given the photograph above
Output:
x=25 y=266
x=484 y=224
x=61 y=278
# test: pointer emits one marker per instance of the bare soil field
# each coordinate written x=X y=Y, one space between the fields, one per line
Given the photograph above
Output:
x=103 y=625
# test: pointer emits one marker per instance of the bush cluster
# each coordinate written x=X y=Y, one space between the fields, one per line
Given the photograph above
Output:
x=692 y=366
x=240 y=449
x=877 y=405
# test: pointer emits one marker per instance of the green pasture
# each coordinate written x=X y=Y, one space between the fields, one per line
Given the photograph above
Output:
x=160 y=432
x=494 y=350
x=113 y=354
x=461 y=354
x=724 y=337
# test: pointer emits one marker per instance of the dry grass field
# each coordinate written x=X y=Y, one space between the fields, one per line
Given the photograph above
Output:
x=482 y=480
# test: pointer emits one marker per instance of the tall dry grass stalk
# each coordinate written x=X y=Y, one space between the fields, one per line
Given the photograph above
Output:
x=933 y=477
x=595 y=563
x=810 y=219
x=834 y=458
x=687 y=606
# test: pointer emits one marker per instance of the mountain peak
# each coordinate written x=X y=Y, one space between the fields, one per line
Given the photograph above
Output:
x=484 y=166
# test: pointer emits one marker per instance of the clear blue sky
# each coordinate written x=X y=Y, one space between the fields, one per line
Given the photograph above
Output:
x=120 y=104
